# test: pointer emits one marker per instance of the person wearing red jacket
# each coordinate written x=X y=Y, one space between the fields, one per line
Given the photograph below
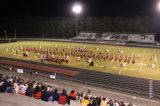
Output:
x=63 y=98
x=73 y=95
x=37 y=92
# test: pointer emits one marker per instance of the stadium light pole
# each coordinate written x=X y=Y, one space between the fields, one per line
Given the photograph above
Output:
x=5 y=33
x=77 y=9
x=15 y=34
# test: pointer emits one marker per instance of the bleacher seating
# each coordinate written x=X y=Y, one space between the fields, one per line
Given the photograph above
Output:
x=106 y=36
x=85 y=36
x=91 y=36
x=141 y=38
x=19 y=100
x=44 y=92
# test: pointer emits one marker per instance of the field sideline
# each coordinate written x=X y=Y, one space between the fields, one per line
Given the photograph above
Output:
x=146 y=66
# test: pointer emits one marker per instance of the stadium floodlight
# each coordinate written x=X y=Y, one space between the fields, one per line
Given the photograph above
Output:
x=158 y=6
x=77 y=8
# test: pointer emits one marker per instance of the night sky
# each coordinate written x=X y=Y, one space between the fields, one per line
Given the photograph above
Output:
x=62 y=8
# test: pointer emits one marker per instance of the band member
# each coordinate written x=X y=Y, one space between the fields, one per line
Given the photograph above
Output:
x=123 y=65
x=153 y=66
x=89 y=60
x=133 y=61
x=78 y=58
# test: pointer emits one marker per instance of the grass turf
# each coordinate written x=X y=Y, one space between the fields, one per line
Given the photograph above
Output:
x=141 y=68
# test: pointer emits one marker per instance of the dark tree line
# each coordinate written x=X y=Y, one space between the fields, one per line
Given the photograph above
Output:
x=29 y=26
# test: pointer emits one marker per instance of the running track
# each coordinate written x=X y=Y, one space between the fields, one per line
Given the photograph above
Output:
x=40 y=67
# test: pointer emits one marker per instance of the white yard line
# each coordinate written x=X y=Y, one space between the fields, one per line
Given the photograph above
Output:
x=156 y=60
x=120 y=71
x=142 y=61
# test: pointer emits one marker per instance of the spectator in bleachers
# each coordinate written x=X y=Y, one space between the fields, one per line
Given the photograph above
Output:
x=10 y=78
x=85 y=101
x=63 y=98
x=50 y=94
x=81 y=97
x=103 y=102
x=22 y=88
x=93 y=102
x=78 y=96
x=110 y=103
x=72 y=95
x=38 y=92
x=55 y=95
x=91 y=98
x=19 y=80
x=99 y=100
x=30 y=90
x=121 y=103
x=3 y=85
x=35 y=85
x=15 y=85
x=46 y=94
x=116 y=103
x=10 y=87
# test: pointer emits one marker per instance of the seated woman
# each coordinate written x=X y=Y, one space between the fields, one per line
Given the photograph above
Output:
x=85 y=101
x=103 y=102
x=63 y=99
x=30 y=90
x=37 y=92
x=73 y=95
x=22 y=88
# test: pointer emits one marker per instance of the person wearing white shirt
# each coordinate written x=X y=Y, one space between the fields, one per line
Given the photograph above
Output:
x=22 y=89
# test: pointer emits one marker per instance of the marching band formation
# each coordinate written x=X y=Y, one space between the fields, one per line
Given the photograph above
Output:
x=63 y=54
x=60 y=55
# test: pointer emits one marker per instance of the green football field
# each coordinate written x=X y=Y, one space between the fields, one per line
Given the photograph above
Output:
x=147 y=60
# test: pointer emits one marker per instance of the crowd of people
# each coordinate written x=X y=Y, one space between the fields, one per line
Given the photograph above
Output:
x=11 y=84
